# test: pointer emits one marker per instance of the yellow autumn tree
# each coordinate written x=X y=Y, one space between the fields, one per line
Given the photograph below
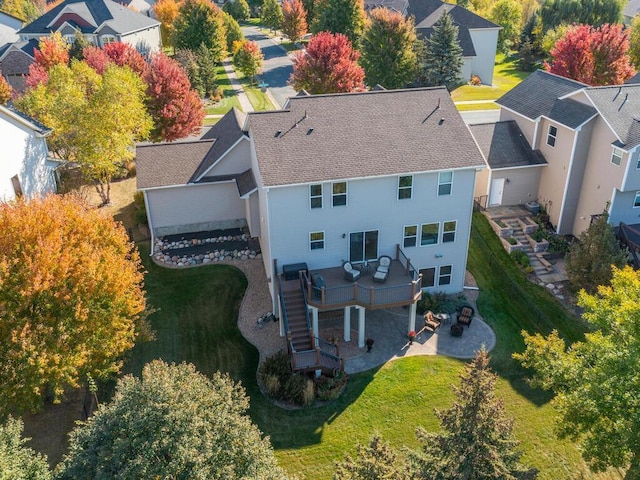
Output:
x=167 y=11
x=71 y=298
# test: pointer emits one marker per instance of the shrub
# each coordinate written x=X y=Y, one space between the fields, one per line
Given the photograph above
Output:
x=539 y=235
x=294 y=389
x=140 y=208
x=520 y=258
x=277 y=365
x=512 y=241
x=558 y=244
x=430 y=301
x=328 y=388
x=475 y=80
x=309 y=393
x=272 y=386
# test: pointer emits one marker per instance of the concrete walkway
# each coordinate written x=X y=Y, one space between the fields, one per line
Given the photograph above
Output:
x=245 y=104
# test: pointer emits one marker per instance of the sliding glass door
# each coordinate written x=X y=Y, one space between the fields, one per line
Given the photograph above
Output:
x=363 y=246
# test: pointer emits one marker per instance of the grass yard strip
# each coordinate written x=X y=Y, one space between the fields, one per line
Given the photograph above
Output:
x=505 y=76
x=211 y=121
x=258 y=98
x=477 y=106
x=229 y=96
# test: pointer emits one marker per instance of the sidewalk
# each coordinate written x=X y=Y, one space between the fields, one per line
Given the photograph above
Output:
x=245 y=104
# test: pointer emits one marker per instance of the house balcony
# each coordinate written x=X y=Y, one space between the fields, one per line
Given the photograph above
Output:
x=402 y=287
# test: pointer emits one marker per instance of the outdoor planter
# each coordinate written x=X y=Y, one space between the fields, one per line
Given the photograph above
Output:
x=511 y=247
x=502 y=232
x=538 y=247
x=528 y=225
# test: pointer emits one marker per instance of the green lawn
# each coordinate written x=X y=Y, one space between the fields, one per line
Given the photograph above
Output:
x=229 y=98
x=210 y=121
x=477 y=106
x=196 y=321
x=505 y=76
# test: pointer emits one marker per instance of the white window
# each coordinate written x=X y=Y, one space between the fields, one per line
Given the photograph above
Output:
x=315 y=194
x=445 y=181
x=449 y=231
x=410 y=236
x=445 y=275
x=616 y=156
x=405 y=186
x=551 y=136
x=316 y=241
x=636 y=201
x=429 y=233
x=428 y=277
x=107 y=39
x=339 y=193
x=70 y=38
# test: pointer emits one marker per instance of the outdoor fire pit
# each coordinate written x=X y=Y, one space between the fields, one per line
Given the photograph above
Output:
x=457 y=329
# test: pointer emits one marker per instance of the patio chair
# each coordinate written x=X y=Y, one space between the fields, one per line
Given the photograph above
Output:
x=431 y=322
x=465 y=315
x=382 y=272
x=350 y=273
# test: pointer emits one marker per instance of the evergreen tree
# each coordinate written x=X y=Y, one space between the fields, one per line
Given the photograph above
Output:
x=343 y=16
x=377 y=461
x=477 y=442
x=271 y=14
x=207 y=67
x=78 y=45
x=590 y=259
x=443 y=55
x=527 y=58
x=388 y=56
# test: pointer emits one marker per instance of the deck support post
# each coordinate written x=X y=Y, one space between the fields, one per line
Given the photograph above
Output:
x=347 y=324
x=412 y=317
x=361 y=311
x=314 y=325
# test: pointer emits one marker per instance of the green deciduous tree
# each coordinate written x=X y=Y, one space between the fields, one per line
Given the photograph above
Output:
x=590 y=259
x=17 y=461
x=5 y=90
x=342 y=16
x=589 y=12
x=443 y=55
x=96 y=119
x=71 y=298
x=173 y=422
x=387 y=48
x=507 y=14
x=596 y=381
x=248 y=59
x=634 y=42
x=294 y=19
x=477 y=442
x=271 y=14
x=377 y=461
x=233 y=31
x=198 y=22
x=27 y=10
x=238 y=9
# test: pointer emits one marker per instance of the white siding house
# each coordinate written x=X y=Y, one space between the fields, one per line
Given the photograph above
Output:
x=25 y=169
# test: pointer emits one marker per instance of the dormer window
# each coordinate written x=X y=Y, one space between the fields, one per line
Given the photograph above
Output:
x=616 y=156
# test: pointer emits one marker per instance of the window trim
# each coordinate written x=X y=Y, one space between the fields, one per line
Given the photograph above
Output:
x=405 y=236
x=441 y=183
x=550 y=135
x=334 y=195
x=437 y=236
x=454 y=232
x=636 y=200
x=312 y=197
x=109 y=39
x=441 y=275
x=405 y=188
x=434 y=277
x=613 y=154
x=312 y=242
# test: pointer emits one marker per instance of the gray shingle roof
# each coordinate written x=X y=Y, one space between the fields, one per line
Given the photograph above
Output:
x=35 y=125
x=632 y=8
x=246 y=182
x=117 y=17
x=356 y=135
x=227 y=131
x=634 y=79
x=504 y=145
x=571 y=113
x=620 y=107
x=460 y=16
x=400 y=6
x=536 y=95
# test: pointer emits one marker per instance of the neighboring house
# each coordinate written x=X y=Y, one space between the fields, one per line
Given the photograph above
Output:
x=634 y=79
x=100 y=21
x=631 y=10
x=26 y=169
x=590 y=139
x=15 y=59
x=477 y=36
x=329 y=179
x=9 y=26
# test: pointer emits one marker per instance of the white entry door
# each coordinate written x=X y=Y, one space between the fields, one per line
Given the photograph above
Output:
x=497 y=187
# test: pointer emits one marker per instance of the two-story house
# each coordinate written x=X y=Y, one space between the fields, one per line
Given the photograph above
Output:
x=329 y=179
x=589 y=138
x=26 y=168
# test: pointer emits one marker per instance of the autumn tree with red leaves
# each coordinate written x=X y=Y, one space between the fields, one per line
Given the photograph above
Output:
x=595 y=56
x=294 y=20
x=71 y=298
x=329 y=65
x=96 y=58
x=125 y=55
x=52 y=50
x=176 y=109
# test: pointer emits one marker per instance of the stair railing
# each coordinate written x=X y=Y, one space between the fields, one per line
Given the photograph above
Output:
x=283 y=307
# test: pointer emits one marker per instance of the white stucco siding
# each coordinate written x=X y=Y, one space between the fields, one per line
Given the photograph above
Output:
x=484 y=43
x=195 y=207
x=237 y=160
x=149 y=37
x=372 y=204
x=24 y=154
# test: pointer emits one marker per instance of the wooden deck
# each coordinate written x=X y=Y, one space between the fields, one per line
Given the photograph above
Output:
x=402 y=287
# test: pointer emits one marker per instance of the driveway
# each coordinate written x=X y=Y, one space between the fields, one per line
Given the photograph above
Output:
x=277 y=66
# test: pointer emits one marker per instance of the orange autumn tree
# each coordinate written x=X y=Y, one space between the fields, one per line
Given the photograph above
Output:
x=71 y=298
